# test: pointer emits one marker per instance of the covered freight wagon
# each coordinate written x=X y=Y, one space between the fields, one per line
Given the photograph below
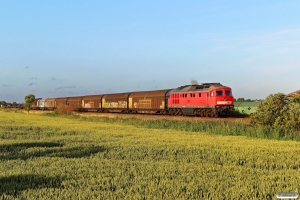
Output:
x=148 y=101
x=92 y=103
x=115 y=102
x=50 y=104
x=74 y=103
x=34 y=104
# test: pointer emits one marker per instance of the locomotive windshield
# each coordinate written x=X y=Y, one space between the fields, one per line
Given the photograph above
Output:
x=219 y=93
x=228 y=93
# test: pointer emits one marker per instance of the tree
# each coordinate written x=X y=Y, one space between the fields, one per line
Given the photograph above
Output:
x=289 y=118
x=28 y=101
x=268 y=110
x=2 y=103
x=240 y=100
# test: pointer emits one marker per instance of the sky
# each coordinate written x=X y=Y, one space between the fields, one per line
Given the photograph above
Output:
x=72 y=48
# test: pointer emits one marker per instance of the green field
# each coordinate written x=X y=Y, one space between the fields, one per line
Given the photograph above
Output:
x=246 y=108
x=47 y=157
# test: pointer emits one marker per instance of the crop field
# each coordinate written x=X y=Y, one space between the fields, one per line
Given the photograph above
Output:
x=53 y=157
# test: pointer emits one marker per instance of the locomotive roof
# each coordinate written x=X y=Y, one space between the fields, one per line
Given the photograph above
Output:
x=202 y=87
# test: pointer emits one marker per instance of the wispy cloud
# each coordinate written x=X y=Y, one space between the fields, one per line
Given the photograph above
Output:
x=52 y=91
x=32 y=84
x=63 y=89
x=4 y=85
x=285 y=40
x=277 y=69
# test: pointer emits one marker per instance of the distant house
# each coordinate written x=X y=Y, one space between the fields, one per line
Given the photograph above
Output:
x=292 y=94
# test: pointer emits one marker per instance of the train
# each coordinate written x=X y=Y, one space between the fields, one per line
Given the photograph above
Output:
x=204 y=100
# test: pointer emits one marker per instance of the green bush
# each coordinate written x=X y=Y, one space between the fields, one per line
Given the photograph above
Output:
x=279 y=113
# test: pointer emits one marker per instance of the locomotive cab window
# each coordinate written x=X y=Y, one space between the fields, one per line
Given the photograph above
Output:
x=219 y=93
x=212 y=94
x=228 y=93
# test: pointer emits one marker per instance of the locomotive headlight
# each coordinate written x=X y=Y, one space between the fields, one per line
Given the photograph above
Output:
x=224 y=102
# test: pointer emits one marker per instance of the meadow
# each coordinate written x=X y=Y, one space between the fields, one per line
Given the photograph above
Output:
x=58 y=157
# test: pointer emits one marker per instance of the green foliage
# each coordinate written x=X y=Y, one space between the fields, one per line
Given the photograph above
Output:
x=268 y=110
x=277 y=112
x=289 y=119
x=28 y=101
x=295 y=99
x=240 y=100
x=2 y=103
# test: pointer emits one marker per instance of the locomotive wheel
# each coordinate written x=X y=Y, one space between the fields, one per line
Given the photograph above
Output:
x=177 y=112
x=214 y=114
x=202 y=113
x=172 y=111
x=207 y=113
x=180 y=112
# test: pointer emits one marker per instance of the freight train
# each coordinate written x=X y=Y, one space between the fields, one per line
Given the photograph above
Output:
x=205 y=100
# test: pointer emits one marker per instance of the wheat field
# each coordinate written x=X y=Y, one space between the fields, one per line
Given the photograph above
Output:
x=52 y=157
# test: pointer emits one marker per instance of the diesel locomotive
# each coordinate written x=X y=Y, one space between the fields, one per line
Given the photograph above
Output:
x=205 y=100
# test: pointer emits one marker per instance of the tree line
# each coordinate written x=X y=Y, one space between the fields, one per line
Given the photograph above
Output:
x=246 y=100
x=8 y=104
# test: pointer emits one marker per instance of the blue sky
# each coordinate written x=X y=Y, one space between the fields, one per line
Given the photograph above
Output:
x=72 y=48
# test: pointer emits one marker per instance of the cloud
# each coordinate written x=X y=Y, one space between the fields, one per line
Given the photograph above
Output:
x=62 y=89
x=286 y=40
x=32 y=84
x=27 y=67
x=53 y=79
x=65 y=87
x=109 y=91
x=70 y=86
x=4 y=85
x=33 y=78
x=52 y=91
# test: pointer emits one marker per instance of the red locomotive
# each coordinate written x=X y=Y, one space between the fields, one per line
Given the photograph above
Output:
x=206 y=100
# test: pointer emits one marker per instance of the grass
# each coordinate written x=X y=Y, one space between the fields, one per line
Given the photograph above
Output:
x=71 y=157
x=214 y=127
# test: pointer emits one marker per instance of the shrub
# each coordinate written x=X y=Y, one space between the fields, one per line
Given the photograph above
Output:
x=268 y=110
x=279 y=113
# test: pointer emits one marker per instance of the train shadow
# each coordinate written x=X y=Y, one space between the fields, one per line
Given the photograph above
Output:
x=25 y=151
x=15 y=184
